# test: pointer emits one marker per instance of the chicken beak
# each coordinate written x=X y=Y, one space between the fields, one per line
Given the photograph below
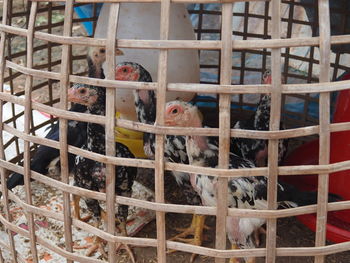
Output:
x=168 y=122
x=71 y=94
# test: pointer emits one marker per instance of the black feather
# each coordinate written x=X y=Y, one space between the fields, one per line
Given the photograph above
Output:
x=76 y=136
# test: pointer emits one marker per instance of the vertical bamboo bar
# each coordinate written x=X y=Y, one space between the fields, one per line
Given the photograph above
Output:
x=159 y=154
x=275 y=116
x=63 y=124
x=9 y=55
x=27 y=122
x=224 y=125
x=49 y=53
x=324 y=109
x=110 y=124
x=3 y=171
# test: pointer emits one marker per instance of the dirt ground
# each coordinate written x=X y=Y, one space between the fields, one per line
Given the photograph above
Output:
x=291 y=233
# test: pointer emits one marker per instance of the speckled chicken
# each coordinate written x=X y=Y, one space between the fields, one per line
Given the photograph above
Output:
x=90 y=174
x=255 y=149
x=76 y=132
x=174 y=148
x=243 y=192
x=145 y=103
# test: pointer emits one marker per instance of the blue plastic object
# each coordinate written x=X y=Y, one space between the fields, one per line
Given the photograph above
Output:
x=86 y=11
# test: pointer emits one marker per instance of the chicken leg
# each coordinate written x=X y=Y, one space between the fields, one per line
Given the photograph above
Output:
x=234 y=260
x=122 y=227
x=76 y=205
x=195 y=229
x=98 y=244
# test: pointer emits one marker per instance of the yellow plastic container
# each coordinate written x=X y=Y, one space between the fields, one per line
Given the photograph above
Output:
x=132 y=139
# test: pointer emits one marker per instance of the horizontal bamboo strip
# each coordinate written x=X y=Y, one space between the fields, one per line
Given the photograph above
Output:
x=302 y=210
x=190 y=87
x=8 y=248
x=283 y=170
x=251 y=134
x=259 y=252
x=219 y=89
x=114 y=83
x=78 y=151
x=258 y=88
x=169 y=208
x=178 y=44
x=316 y=87
x=163 y=207
x=324 y=250
x=33 y=72
x=77 y=116
x=238 y=44
x=48 y=244
x=55 y=183
x=246 y=172
x=77 y=223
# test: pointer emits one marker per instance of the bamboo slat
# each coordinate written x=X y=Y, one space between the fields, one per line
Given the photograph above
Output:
x=324 y=142
x=5 y=199
x=63 y=125
x=272 y=214
x=251 y=44
x=224 y=126
x=165 y=7
x=110 y=124
x=27 y=122
x=214 y=88
x=178 y=44
x=275 y=117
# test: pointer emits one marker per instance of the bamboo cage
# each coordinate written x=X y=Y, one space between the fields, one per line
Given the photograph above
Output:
x=309 y=76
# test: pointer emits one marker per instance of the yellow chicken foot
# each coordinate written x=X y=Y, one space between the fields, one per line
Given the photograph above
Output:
x=76 y=205
x=234 y=260
x=195 y=230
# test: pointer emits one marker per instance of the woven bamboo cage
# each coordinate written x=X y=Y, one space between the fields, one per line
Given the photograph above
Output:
x=310 y=53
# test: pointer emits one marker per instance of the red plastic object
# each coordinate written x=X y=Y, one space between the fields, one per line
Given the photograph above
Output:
x=338 y=227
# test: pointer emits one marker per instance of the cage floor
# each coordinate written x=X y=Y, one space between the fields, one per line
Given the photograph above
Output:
x=291 y=233
x=52 y=230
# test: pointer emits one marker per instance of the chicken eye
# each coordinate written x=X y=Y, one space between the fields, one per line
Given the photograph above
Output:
x=124 y=70
x=174 y=111
x=82 y=91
